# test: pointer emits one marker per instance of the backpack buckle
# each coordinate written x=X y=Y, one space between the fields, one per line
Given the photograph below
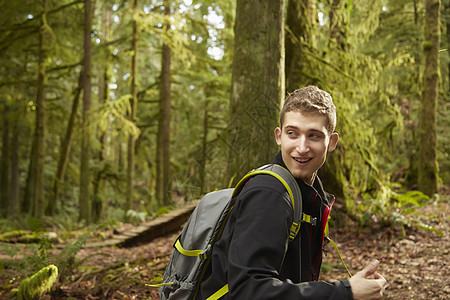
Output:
x=293 y=230
x=308 y=219
x=205 y=253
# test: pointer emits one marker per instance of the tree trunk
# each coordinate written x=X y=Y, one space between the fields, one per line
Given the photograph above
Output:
x=13 y=206
x=447 y=11
x=202 y=168
x=38 y=187
x=65 y=151
x=104 y=98
x=163 y=151
x=5 y=162
x=339 y=21
x=257 y=85
x=132 y=116
x=299 y=36
x=85 y=203
x=28 y=193
x=428 y=165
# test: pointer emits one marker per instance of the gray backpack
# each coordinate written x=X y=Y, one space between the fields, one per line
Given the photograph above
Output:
x=193 y=247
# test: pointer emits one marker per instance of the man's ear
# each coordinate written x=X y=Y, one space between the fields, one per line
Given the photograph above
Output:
x=333 y=141
x=277 y=132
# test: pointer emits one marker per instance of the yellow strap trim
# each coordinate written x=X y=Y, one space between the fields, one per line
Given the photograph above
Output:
x=306 y=218
x=219 y=293
x=186 y=252
x=327 y=230
x=251 y=174
x=294 y=230
x=339 y=254
x=294 y=227
x=159 y=284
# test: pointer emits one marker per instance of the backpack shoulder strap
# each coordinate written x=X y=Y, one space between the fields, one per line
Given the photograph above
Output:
x=286 y=178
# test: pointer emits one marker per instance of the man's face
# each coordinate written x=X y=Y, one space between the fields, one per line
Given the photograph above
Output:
x=304 y=142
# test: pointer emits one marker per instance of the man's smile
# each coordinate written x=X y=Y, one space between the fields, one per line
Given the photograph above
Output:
x=302 y=160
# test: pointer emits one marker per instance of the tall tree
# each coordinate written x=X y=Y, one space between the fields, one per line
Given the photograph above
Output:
x=85 y=203
x=5 y=162
x=428 y=165
x=104 y=96
x=38 y=171
x=163 y=145
x=64 y=152
x=257 y=87
x=339 y=21
x=447 y=21
x=300 y=22
x=133 y=105
x=13 y=205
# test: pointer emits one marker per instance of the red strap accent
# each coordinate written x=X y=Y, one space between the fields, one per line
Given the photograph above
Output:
x=326 y=213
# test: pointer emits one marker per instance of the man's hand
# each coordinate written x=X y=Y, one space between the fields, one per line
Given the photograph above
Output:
x=368 y=284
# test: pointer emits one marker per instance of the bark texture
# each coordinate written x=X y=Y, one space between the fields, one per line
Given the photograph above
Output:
x=428 y=166
x=163 y=153
x=85 y=202
x=257 y=87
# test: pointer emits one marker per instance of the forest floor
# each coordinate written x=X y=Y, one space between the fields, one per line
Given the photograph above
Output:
x=415 y=263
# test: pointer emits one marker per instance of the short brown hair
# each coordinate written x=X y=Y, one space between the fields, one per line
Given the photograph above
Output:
x=311 y=99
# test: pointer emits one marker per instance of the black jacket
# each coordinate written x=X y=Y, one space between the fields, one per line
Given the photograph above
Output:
x=254 y=256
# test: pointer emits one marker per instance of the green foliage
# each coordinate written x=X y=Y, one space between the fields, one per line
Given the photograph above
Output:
x=393 y=205
x=65 y=260
x=118 y=110
x=37 y=254
x=136 y=217
x=34 y=287
x=411 y=197
x=370 y=60
x=412 y=221
x=162 y=211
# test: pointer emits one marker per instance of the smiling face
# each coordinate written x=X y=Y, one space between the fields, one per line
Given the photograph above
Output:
x=305 y=141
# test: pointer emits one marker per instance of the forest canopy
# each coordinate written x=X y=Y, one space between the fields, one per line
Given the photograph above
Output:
x=114 y=110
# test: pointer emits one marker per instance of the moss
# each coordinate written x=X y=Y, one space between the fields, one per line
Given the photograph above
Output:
x=33 y=287
x=18 y=236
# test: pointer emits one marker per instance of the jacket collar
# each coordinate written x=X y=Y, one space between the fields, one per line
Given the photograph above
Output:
x=317 y=185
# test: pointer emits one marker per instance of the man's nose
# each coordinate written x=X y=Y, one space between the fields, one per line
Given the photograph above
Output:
x=302 y=145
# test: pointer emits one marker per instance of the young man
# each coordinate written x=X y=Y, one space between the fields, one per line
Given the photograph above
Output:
x=253 y=255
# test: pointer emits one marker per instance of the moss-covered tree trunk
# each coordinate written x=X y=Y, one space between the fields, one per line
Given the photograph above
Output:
x=4 y=161
x=202 y=167
x=300 y=21
x=428 y=166
x=38 y=186
x=339 y=24
x=257 y=87
x=447 y=12
x=334 y=173
x=85 y=201
x=25 y=205
x=132 y=115
x=64 y=151
x=14 y=183
x=104 y=79
x=163 y=147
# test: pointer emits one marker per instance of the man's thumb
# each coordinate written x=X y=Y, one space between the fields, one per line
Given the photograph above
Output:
x=370 y=269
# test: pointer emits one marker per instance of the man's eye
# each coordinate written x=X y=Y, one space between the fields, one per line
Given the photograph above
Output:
x=291 y=133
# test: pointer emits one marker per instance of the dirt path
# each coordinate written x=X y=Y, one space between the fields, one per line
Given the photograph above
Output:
x=415 y=266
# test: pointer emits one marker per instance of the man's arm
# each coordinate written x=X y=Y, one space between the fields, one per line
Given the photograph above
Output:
x=368 y=284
